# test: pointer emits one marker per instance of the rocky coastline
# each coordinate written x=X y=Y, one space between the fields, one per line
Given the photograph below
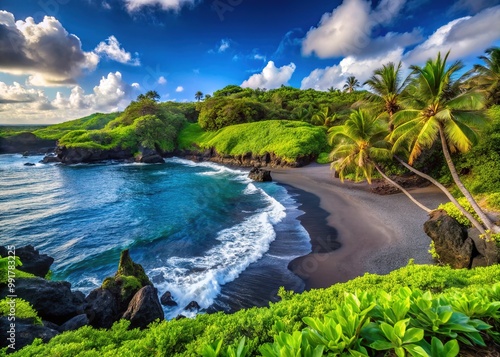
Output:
x=129 y=294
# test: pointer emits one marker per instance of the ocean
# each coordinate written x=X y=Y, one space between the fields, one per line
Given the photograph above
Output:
x=202 y=231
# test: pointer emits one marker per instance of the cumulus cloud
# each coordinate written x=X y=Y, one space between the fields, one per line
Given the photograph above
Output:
x=24 y=104
x=44 y=50
x=162 y=80
x=464 y=36
x=348 y=29
x=179 y=89
x=335 y=76
x=175 y=5
x=112 y=49
x=271 y=77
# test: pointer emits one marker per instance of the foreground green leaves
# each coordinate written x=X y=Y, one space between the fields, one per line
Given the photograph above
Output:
x=319 y=322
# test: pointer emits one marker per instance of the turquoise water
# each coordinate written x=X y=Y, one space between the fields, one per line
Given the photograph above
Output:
x=201 y=231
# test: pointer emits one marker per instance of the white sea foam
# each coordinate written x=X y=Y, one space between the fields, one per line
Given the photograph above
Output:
x=201 y=278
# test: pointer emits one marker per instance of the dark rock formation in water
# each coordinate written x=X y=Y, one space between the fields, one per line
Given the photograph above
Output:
x=167 y=299
x=144 y=308
x=245 y=160
x=192 y=306
x=33 y=262
x=117 y=295
x=88 y=155
x=26 y=143
x=149 y=156
x=260 y=175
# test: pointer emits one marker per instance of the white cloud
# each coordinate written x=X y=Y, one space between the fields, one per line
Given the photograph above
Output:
x=179 y=89
x=271 y=77
x=362 y=69
x=224 y=45
x=348 y=29
x=162 y=80
x=176 y=5
x=45 y=50
x=464 y=37
x=112 y=50
x=259 y=57
x=22 y=104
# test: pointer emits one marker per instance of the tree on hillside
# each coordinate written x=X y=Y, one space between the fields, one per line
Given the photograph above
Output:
x=387 y=87
x=150 y=95
x=324 y=117
x=358 y=145
x=351 y=84
x=436 y=109
x=487 y=76
x=198 y=96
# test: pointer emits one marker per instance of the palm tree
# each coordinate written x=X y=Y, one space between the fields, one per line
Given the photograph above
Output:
x=324 y=117
x=488 y=75
x=387 y=87
x=359 y=143
x=198 y=95
x=438 y=109
x=351 y=84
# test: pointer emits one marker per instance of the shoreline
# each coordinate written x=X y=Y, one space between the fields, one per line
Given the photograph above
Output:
x=377 y=234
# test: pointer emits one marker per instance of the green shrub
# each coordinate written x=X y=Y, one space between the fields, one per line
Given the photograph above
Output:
x=454 y=212
x=23 y=310
x=190 y=337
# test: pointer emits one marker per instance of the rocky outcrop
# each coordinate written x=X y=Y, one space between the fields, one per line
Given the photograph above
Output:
x=88 y=155
x=149 y=156
x=25 y=332
x=53 y=300
x=167 y=299
x=117 y=295
x=260 y=175
x=245 y=160
x=144 y=308
x=33 y=262
x=192 y=306
x=382 y=187
x=457 y=246
x=26 y=143
x=451 y=240
x=75 y=323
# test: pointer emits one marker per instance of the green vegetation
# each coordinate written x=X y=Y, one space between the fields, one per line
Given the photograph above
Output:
x=92 y=122
x=7 y=264
x=454 y=212
x=144 y=123
x=288 y=140
x=10 y=130
x=441 y=303
x=23 y=310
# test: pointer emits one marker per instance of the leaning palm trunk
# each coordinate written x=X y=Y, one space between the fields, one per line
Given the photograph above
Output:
x=487 y=222
x=426 y=209
x=436 y=183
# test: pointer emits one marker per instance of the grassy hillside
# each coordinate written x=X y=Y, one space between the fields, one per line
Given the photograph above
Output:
x=91 y=122
x=449 y=311
x=287 y=139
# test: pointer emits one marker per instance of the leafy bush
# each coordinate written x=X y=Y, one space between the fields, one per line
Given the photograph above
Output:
x=219 y=112
x=24 y=310
x=454 y=212
x=190 y=337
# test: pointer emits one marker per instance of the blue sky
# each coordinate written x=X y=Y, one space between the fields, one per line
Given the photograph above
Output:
x=63 y=59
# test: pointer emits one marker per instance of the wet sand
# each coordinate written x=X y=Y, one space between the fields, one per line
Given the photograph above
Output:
x=376 y=234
